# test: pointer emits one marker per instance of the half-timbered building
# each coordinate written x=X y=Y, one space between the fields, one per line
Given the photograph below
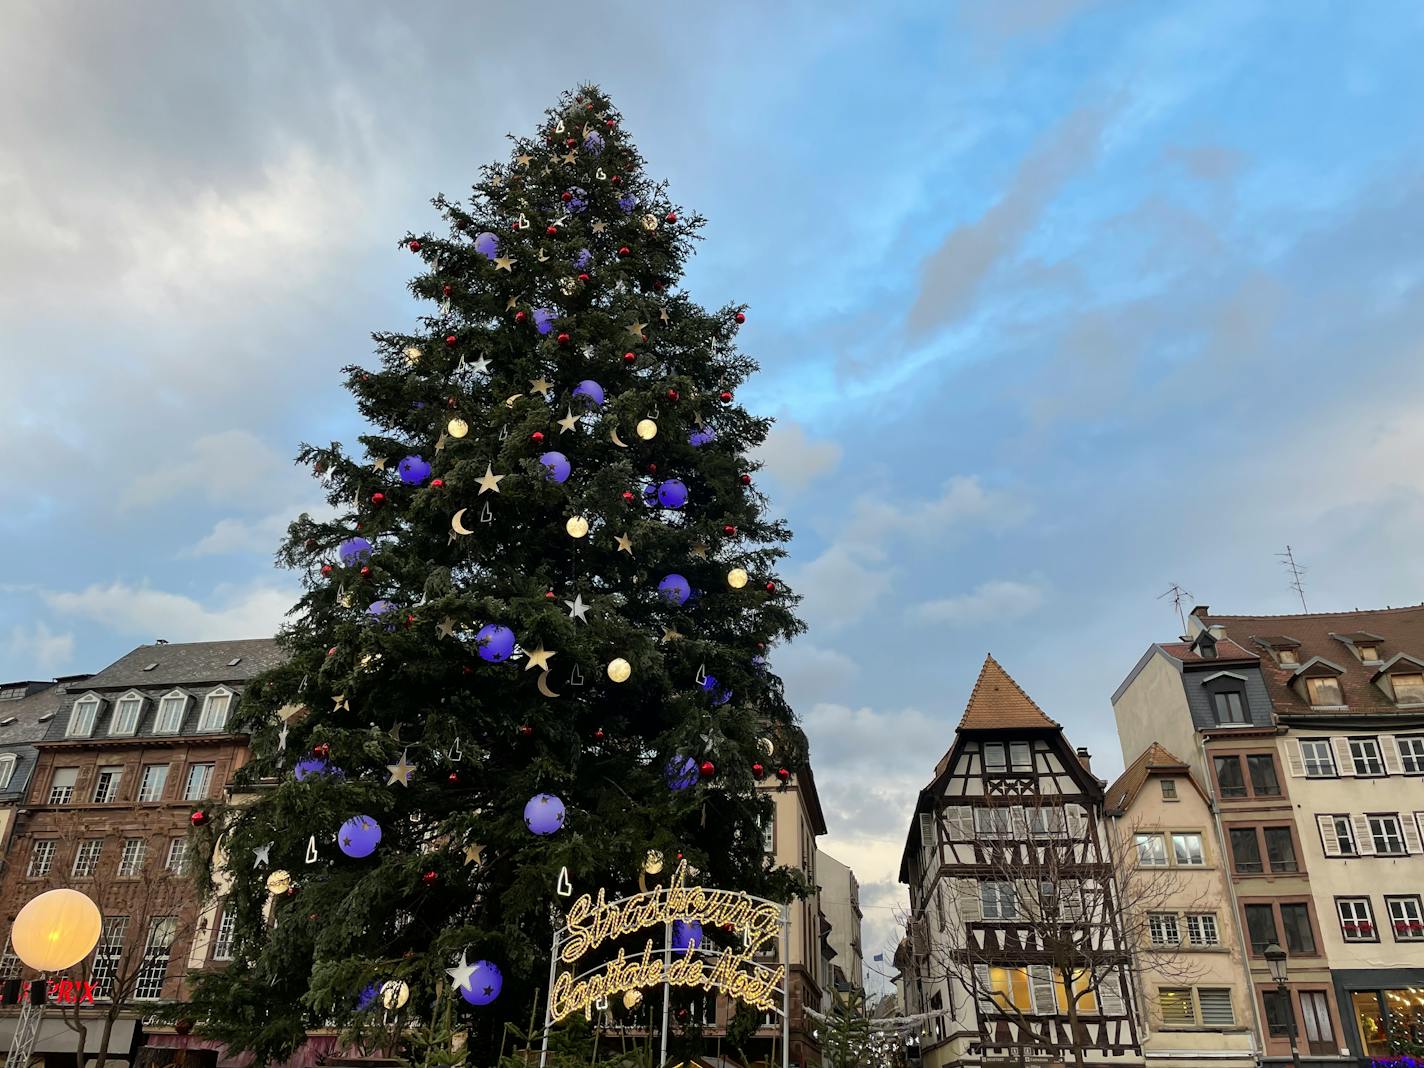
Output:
x=1016 y=942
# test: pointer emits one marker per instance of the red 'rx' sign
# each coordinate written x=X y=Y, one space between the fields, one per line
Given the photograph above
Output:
x=68 y=992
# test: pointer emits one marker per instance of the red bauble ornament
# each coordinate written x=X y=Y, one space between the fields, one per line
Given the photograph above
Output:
x=378 y=499
x=652 y=469
x=437 y=483
x=548 y=595
x=628 y=496
x=447 y=290
x=583 y=278
x=453 y=777
x=629 y=357
x=331 y=651
x=758 y=770
x=429 y=878
x=450 y=339
x=771 y=587
x=551 y=230
x=746 y=480
x=610 y=123
x=598 y=735
x=526 y=730
x=672 y=394
x=322 y=750
x=725 y=396
x=624 y=250
x=514 y=226
x=729 y=529
x=326 y=569
x=520 y=316
x=567 y=196
x=741 y=317
x=365 y=571
x=708 y=769
x=415 y=246
x=671 y=216
x=537 y=437
x=563 y=339
x=570 y=142
x=783 y=774
x=197 y=819
x=615 y=179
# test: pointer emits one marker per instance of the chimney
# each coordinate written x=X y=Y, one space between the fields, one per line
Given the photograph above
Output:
x=1085 y=758
x=1196 y=620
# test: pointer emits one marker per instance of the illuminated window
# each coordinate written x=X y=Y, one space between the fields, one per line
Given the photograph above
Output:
x=1324 y=692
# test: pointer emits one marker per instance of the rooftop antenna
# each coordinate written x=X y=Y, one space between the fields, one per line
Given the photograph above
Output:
x=1297 y=572
x=1179 y=597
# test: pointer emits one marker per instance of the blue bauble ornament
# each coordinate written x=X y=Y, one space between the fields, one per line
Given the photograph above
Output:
x=593 y=143
x=589 y=394
x=584 y=260
x=672 y=494
x=544 y=814
x=367 y=998
x=701 y=436
x=628 y=202
x=380 y=608
x=496 y=643
x=577 y=202
x=544 y=319
x=354 y=551
x=314 y=768
x=719 y=693
x=413 y=471
x=487 y=245
x=686 y=934
x=485 y=984
x=558 y=465
x=675 y=589
x=681 y=773
x=359 y=836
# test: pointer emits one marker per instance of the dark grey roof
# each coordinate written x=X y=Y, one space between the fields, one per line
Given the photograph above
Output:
x=196 y=668
x=186 y=665
x=17 y=738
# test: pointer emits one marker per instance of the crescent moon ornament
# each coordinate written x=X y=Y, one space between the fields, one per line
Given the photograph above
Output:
x=613 y=437
x=544 y=685
x=509 y=403
x=457 y=523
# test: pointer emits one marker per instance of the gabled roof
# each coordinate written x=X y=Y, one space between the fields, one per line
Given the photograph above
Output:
x=998 y=703
x=1227 y=651
x=1154 y=760
x=188 y=664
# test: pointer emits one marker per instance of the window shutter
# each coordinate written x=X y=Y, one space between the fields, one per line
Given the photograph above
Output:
x=967 y=891
x=1077 y=822
x=1216 y=1008
x=1412 y=844
x=1390 y=751
x=1294 y=760
x=961 y=823
x=1110 y=995
x=1045 y=998
x=981 y=983
x=1344 y=762
x=919 y=938
x=1328 y=837
x=1018 y=822
x=84 y=775
x=1364 y=839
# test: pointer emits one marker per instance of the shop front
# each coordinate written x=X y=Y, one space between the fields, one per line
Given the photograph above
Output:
x=1383 y=1010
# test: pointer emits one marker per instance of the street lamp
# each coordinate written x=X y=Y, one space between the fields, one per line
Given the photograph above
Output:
x=52 y=932
x=1276 y=961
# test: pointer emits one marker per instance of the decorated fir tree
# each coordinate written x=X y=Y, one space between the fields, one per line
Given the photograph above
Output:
x=536 y=638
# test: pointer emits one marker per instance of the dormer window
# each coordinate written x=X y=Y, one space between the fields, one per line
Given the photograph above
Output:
x=82 y=717
x=1205 y=645
x=1288 y=656
x=126 y=713
x=1368 y=653
x=170 y=712
x=1230 y=706
x=1408 y=689
x=7 y=770
x=215 y=709
x=1324 y=692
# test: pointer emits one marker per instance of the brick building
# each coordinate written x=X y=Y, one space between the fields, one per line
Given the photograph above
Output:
x=124 y=759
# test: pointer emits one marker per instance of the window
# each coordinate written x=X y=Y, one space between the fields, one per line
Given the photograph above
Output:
x=1356 y=923
x=41 y=857
x=200 y=779
x=1278 y=1012
x=1261 y=927
x=1162 y=929
x=1228 y=776
x=86 y=857
x=1295 y=920
x=9 y=963
x=126 y=714
x=131 y=856
x=1387 y=835
x=1246 y=850
x=1280 y=849
x=1187 y=849
x=997 y=900
x=1169 y=789
x=768 y=834
x=1178 y=1009
x=1318 y=756
x=1411 y=754
x=1002 y=988
x=1288 y=656
x=107 y=956
x=1368 y=653
x=1202 y=929
x=1216 y=1010
x=1230 y=706
x=177 y=854
x=1046 y=821
x=995 y=762
x=222 y=941
x=81 y=720
x=154 y=970
x=61 y=787
x=106 y=786
x=1151 y=850
x=1365 y=752
x=7 y=769
x=1408 y=689
x=150 y=787
x=215 y=708
x=1345 y=833
x=170 y=713
x=1315 y=1008
x=1406 y=918
x=1262 y=769
x=1020 y=756
x=1324 y=692
x=993 y=822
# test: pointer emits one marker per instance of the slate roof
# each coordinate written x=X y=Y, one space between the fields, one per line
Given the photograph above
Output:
x=998 y=703
x=1319 y=634
x=19 y=737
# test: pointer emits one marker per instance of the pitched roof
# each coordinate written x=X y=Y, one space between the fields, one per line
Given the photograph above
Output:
x=1320 y=634
x=1226 y=649
x=188 y=664
x=27 y=711
x=998 y=703
x=1152 y=759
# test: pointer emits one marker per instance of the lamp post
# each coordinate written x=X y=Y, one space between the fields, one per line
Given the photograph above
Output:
x=52 y=932
x=1276 y=961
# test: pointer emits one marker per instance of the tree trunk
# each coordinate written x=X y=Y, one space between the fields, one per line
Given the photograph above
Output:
x=83 y=1033
x=103 y=1054
x=1072 y=1015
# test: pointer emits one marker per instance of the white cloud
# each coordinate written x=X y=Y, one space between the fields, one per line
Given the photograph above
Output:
x=962 y=500
x=222 y=467
x=250 y=612
x=792 y=459
x=841 y=585
x=995 y=601
x=812 y=672
x=45 y=650
x=261 y=536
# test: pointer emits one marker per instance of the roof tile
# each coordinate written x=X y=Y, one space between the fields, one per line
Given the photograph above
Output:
x=997 y=702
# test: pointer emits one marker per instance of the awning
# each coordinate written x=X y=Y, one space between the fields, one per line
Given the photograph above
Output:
x=57 y=1037
x=317 y=1048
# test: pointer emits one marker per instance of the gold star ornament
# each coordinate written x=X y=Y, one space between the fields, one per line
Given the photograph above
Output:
x=401 y=771
x=489 y=481
x=539 y=658
x=636 y=328
x=504 y=263
x=625 y=544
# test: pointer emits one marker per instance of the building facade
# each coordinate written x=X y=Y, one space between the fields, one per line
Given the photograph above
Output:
x=1308 y=733
x=1195 y=1000
x=840 y=904
x=1016 y=939
x=123 y=763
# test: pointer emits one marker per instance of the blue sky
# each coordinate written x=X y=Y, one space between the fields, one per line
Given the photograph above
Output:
x=1058 y=302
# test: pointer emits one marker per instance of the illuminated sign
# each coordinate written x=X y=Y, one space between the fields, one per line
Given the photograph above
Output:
x=69 y=992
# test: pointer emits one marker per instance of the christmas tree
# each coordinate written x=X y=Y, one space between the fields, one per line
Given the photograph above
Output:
x=534 y=642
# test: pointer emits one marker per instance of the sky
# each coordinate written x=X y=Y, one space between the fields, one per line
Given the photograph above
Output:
x=1057 y=303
